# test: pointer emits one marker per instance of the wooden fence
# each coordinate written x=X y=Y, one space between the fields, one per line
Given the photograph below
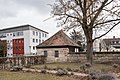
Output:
x=97 y=56
x=26 y=61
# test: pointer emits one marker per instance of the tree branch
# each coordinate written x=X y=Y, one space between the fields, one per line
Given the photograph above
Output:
x=99 y=11
x=105 y=22
x=106 y=32
x=81 y=6
x=109 y=2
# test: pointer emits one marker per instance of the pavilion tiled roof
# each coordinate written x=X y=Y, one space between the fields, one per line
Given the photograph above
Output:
x=57 y=40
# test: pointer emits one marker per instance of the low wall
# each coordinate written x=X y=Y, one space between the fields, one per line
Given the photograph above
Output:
x=97 y=56
x=6 y=62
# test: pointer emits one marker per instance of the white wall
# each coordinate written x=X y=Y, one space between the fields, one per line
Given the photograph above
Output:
x=28 y=41
x=26 y=35
x=32 y=44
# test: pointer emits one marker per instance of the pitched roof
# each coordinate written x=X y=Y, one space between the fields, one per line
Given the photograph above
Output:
x=57 y=40
x=114 y=42
x=20 y=28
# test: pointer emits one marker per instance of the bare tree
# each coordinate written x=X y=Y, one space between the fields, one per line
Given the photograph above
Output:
x=90 y=15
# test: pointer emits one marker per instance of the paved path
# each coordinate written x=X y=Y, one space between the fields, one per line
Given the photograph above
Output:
x=54 y=71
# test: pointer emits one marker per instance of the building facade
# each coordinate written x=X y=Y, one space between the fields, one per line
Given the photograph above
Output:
x=22 y=40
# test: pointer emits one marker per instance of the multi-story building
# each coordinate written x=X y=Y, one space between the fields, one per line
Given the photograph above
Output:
x=22 y=40
x=110 y=44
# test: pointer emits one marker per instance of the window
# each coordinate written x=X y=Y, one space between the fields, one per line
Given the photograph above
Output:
x=22 y=47
x=39 y=35
x=13 y=34
x=8 y=41
x=39 y=40
x=42 y=34
x=17 y=34
x=21 y=34
x=10 y=34
x=7 y=34
x=19 y=41
x=3 y=35
x=45 y=35
x=22 y=41
x=45 y=53
x=8 y=48
x=33 y=32
x=36 y=40
x=16 y=48
x=33 y=47
x=33 y=40
x=56 y=53
x=117 y=42
x=16 y=41
x=36 y=33
x=113 y=42
x=33 y=53
x=76 y=50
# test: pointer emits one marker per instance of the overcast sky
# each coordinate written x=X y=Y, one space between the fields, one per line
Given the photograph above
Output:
x=33 y=12
x=21 y=12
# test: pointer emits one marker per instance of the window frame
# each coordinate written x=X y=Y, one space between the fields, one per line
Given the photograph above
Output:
x=45 y=53
x=56 y=53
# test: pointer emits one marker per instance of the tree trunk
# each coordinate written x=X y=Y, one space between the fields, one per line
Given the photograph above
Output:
x=90 y=51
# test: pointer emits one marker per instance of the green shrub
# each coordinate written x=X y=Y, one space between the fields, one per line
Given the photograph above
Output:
x=106 y=77
x=93 y=74
x=87 y=65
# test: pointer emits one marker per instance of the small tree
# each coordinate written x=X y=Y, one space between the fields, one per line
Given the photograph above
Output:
x=105 y=44
x=89 y=15
x=3 y=48
x=77 y=37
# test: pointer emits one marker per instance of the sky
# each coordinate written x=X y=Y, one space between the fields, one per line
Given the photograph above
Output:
x=34 y=12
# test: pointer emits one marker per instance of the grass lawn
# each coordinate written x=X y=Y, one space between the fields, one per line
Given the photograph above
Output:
x=6 y=75
x=58 y=65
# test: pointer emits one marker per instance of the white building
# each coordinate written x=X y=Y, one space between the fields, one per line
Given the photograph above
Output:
x=22 y=40
x=110 y=44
